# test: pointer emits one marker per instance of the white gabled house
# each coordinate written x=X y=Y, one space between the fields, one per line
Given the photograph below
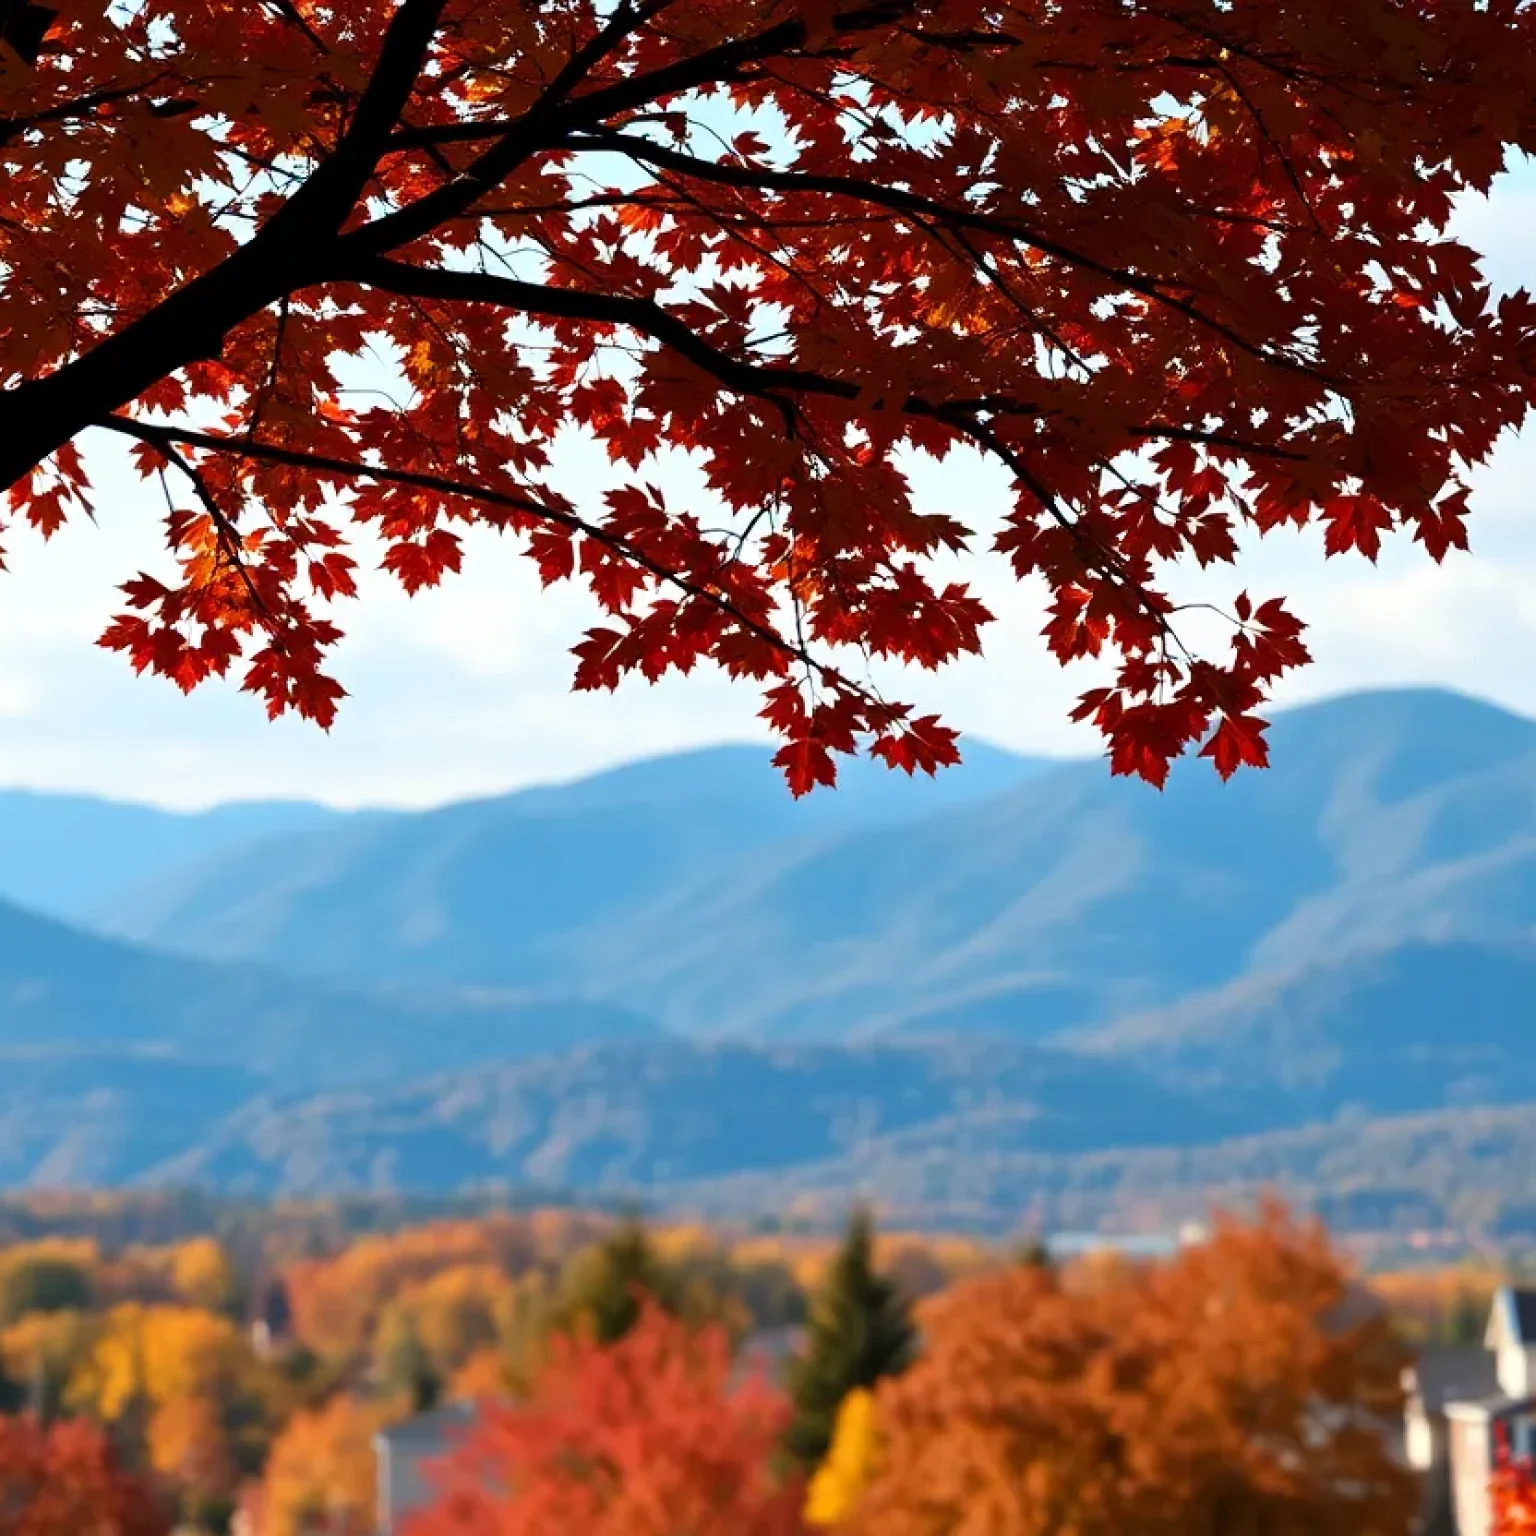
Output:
x=1460 y=1402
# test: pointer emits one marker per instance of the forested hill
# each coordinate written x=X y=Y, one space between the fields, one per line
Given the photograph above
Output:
x=608 y=982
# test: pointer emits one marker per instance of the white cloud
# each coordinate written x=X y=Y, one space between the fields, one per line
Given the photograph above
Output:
x=465 y=690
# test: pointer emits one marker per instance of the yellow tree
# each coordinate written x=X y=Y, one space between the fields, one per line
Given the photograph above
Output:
x=841 y=1478
x=203 y=1275
x=190 y=1447
x=1234 y=1388
x=453 y=1315
x=42 y=1352
x=53 y=1275
x=321 y=1471
x=186 y=1383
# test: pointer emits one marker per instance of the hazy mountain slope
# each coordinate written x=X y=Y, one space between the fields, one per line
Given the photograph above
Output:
x=66 y=854
x=471 y=894
x=1045 y=977
x=1076 y=898
x=628 y=1117
x=693 y=890
x=60 y=987
x=1468 y=1168
x=1419 y=1029
x=1377 y=1032
x=77 y=1118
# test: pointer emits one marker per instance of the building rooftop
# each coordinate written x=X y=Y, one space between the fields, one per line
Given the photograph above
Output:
x=1446 y=1373
x=1518 y=1308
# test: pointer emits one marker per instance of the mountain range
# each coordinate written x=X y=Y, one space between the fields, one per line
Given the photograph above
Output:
x=1023 y=981
x=65 y=854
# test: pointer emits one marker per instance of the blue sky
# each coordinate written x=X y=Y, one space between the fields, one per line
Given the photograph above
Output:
x=465 y=690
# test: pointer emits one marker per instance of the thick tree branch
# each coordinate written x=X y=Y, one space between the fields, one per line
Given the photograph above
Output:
x=916 y=206
x=549 y=123
x=762 y=381
x=37 y=418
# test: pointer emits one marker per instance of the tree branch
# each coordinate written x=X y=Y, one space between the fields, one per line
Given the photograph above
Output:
x=164 y=439
x=757 y=380
x=38 y=417
x=915 y=205
x=549 y=123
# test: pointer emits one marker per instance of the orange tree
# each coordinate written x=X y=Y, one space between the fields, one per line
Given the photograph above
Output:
x=1240 y=1387
x=1173 y=267
x=646 y=1435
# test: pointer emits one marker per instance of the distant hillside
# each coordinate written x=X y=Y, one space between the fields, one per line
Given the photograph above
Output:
x=694 y=891
x=95 y=1118
x=476 y=893
x=1076 y=899
x=627 y=1118
x=1023 y=983
x=67 y=854
x=1471 y=1170
x=61 y=988
x=1347 y=1045
x=1376 y=1032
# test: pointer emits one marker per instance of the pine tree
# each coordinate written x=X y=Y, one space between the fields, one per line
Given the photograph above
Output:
x=13 y=1394
x=859 y=1330
x=1467 y=1321
x=408 y=1367
x=1033 y=1253
x=604 y=1287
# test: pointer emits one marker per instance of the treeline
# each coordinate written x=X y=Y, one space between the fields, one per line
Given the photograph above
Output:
x=1245 y=1384
x=237 y=1381
x=251 y=1369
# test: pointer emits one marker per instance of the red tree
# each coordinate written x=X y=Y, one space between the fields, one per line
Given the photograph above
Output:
x=64 y=1481
x=643 y=1437
x=1512 y=1493
x=1175 y=268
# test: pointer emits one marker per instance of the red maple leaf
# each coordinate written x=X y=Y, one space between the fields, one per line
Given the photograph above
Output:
x=782 y=322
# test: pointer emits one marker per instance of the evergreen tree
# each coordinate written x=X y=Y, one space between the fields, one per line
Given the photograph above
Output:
x=13 y=1395
x=408 y=1367
x=1467 y=1321
x=1032 y=1253
x=602 y=1288
x=860 y=1329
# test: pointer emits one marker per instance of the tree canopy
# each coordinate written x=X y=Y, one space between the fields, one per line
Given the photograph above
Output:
x=348 y=269
x=64 y=1479
x=1242 y=1386
x=44 y=1283
x=859 y=1331
x=646 y=1435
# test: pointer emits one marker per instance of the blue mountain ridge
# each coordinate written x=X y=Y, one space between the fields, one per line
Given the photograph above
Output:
x=65 y=854
x=539 y=987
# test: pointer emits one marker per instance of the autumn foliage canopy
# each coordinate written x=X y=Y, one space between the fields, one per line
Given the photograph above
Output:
x=64 y=1480
x=1512 y=1493
x=644 y=1436
x=345 y=271
x=1243 y=1386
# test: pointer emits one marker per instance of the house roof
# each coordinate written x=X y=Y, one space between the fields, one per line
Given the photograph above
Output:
x=1446 y=1373
x=1524 y=1304
x=1513 y=1317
